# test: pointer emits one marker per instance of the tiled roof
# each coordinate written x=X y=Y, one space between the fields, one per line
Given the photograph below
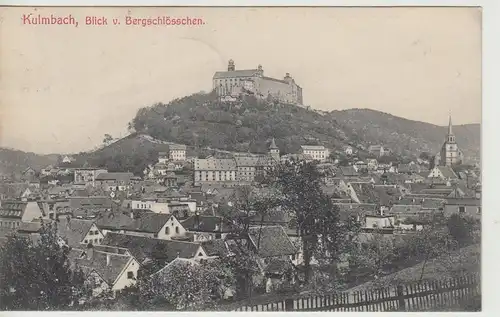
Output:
x=247 y=161
x=73 y=231
x=217 y=247
x=215 y=165
x=90 y=202
x=118 y=177
x=463 y=201
x=447 y=172
x=271 y=241
x=30 y=227
x=177 y=147
x=313 y=147
x=113 y=220
x=12 y=209
x=405 y=209
x=143 y=248
x=206 y=224
x=273 y=216
x=107 y=265
x=347 y=171
x=236 y=73
x=148 y=222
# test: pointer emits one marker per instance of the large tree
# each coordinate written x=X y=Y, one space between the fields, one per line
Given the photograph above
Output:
x=36 y=275
x=324 y=236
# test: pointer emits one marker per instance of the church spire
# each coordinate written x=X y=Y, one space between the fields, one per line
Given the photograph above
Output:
x=450 y=125
x=273 y=145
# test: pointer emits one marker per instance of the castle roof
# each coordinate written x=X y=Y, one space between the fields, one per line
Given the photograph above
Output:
x=236 y=73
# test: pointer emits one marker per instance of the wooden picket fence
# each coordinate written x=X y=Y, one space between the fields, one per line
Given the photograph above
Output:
x=422 y=296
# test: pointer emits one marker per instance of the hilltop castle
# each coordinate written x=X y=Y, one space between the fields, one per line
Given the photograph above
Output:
x=449 y=154
x=235 y=82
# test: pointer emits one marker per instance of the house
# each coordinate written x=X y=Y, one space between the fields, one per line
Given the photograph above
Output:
x=377 y=150
x=145 y=249
x=206 y=227
x=14 y=212
x=317 y=152
x=296 y=157
x=463 y=206
x=379 y=221
x=147 y=224
x=443 y=172
x=215 y=171
x=409 y=168
x=29 y=174
x=67 y=159
x=277 y=254
x=149 y=205
x=78 y=233
x=272 y=241
x=104 y=270
x=177 y=152
x=114 y=181
x=360 y=166
x=87 y=175
x=163 y=158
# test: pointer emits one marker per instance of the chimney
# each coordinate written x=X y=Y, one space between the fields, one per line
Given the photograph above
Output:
x=108 y=259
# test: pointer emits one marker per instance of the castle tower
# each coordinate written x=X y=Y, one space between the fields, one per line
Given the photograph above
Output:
x=230 y=66
x=274 y=151
x=260 y=71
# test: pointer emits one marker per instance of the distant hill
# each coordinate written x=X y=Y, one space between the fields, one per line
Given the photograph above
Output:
x=202 y=122
x=16 y=161
x=405 y=136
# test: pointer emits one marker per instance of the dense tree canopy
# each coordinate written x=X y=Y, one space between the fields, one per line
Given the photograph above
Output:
x=36 y=275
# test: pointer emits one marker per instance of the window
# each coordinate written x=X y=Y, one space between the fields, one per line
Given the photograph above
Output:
x=293 y=257
x=461 y=209
x=167 y=230
x=91 y=232
x=130 y=275
x=478 y=210
x=176 y=229
x=85 y=241
x=200 y=254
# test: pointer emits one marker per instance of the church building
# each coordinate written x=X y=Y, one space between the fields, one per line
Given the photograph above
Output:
x=450 y=154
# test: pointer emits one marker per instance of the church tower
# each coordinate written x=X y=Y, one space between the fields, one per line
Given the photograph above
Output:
x=274 y=151
x=450 y=154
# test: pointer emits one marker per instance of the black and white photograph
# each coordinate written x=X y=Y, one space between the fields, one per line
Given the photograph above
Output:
x=246 y=159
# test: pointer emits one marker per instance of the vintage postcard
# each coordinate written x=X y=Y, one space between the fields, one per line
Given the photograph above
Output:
x=240 y=159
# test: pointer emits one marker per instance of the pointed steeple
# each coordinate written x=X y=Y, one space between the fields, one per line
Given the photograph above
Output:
x=273 y=145
x=450 y=125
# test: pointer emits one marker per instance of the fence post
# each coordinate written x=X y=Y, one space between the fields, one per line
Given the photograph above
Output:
x=401 y=299
x=289 y=304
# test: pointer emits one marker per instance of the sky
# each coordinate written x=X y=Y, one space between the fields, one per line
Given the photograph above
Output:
x=63 y=87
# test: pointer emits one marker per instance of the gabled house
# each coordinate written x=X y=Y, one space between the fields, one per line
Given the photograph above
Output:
x=443 y=172
x=145 y=224
x=114 y=181
x=206 y=228
x=105 y=271
x=78 y=233
x=14 y=212
x=146 y=249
